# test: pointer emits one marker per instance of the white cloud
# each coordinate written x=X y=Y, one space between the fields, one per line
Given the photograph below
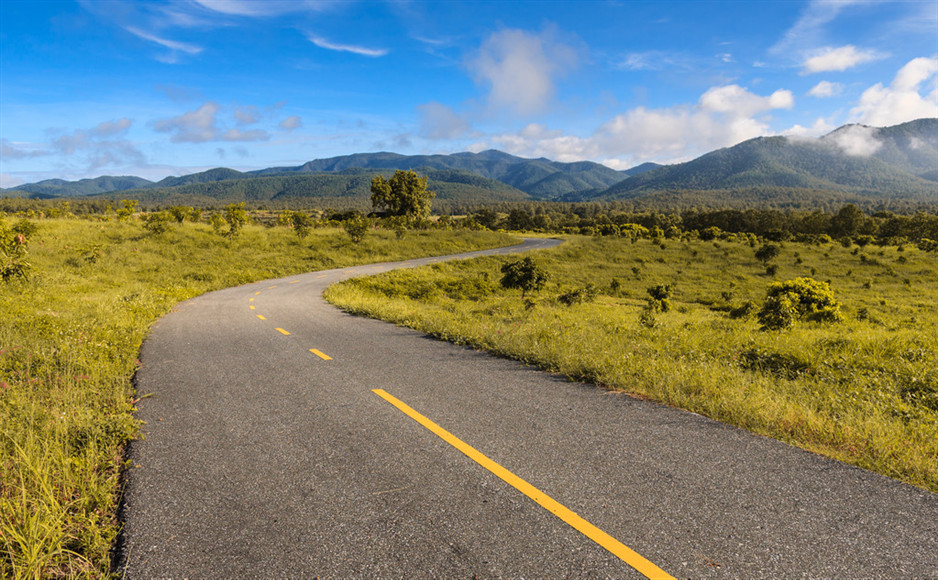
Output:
x=437 y=121
x=520 y=68
x=838 y=59
x=238 y=135
x=857 y=140
x=111 y=128
x=170 y=44
x=291 y=123
x=809 y=28
x=903 y=100
x=361 y=50
x=196 y=126
x=12 y=150
x=652 y=60
x=261 y=7
x=723 y=116
x=247 y=115
x=820 y=127
x=825 y=89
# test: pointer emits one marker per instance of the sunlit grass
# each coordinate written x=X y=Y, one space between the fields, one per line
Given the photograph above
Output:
x=864 y=390
x=69 y=339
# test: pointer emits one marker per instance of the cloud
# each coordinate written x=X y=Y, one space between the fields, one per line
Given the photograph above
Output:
x=7 y=181
x=201 y=125
x=291 y=123
x=825 y=89
x=820 y=127
x=111 y=128
x=437 y=121
x=261 y=7
x=10 y=150
x=902 y=101
x=838 y=59
x=170 y=44
x=361 y=50
x=652 y=60
x=723 y=116
x=521 y=68
x=808 y=30
x=196 y=126
x=856 y=140
x=247 y=115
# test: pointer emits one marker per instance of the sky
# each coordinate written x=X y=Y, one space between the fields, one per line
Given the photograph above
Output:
x=170 y=87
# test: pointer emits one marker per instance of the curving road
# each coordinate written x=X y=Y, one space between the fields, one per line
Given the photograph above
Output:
x=285 y=438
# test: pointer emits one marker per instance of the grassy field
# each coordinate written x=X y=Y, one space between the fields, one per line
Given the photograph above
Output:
x=69 y=338
x=863 y=390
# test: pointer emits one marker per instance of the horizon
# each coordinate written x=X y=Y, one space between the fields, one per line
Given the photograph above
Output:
x=170 y=88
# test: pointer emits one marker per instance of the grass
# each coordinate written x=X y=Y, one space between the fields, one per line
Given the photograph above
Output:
x=863 y=390
x=69 y=338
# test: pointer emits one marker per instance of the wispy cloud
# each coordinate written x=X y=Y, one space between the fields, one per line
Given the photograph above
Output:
x=201 y=125
x=170 y=44
x=261 y=8
x=829 y=59
x=361 y=50
x=291 y=123
x=809 y=29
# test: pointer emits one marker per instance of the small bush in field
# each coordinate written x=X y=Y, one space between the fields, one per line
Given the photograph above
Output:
x=523 y=274
x=356 y=228
x=579 y=295
x=157 y=222
x=768 y=252
x=801 y=298
x=302 y=224
x=13 y=253
x=659 y=297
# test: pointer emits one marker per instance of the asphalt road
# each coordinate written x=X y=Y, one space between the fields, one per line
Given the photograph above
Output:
x=268 y=454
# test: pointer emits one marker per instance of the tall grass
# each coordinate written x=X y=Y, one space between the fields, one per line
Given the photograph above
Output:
x=69 y=339
x=864 y=390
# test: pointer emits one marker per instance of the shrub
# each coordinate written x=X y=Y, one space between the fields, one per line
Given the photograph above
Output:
x=356 y=228
x=523 y=274
x=801 y=298
x=767 y=253
x=579 y=295
x=745 y=310
x=301 y=223
x=157 y=222
x=659 y=297
x=236 y=217
x=13 y=253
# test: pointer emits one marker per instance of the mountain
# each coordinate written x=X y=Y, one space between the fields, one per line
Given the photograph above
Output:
x=540 y=178
x=217 y=174
x=103 y=184
x=449 y=185
x=643 y=168
x=854 y=159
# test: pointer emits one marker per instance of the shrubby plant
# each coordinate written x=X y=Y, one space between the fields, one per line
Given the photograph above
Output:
x=13 y=254
x=523 y=274
x=798 y=299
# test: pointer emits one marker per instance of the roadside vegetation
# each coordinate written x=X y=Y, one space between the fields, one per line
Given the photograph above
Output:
x=77 y=297
x=831 y=346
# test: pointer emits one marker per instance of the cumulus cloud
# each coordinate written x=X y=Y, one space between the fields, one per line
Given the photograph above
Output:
x=820 y=127
x=856 y=140
x=723 y=116
x=838 y=59
x=291 y=123
x=437 y=121
x=521 y=68
x=903 y=100
x=825 y=89
x=361 y=50
x=196 y=126
x=247 y=115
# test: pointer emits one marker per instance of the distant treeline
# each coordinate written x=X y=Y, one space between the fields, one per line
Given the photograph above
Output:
x=591 y=218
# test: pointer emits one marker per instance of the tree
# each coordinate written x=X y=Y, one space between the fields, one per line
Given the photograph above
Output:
x=523 y=274
x=801 y=298
x=302 y=224
x=356 y=227
x=767 y=253
x=236 y=217
x=405 y=194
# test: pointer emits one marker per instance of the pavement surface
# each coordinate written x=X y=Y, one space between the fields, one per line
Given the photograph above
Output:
x=268 y=453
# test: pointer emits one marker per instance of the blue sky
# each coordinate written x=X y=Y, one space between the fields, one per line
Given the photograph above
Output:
x=168 y=87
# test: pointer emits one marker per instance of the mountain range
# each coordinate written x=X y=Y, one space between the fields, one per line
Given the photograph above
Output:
x=853 y=162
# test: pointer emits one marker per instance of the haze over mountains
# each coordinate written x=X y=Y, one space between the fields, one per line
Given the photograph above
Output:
x=854 y=161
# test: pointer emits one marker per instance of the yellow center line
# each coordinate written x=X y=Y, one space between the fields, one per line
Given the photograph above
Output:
x=294 y=281
x=261 y=316
x=617 y=548
x=282 y=331
x=258 y=292
x=271 y=287
x=320 y=354
x=251 y=307
x=250 y=300
x=322 y=276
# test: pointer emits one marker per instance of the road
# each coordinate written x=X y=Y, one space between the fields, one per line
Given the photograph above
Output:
x=287 y=439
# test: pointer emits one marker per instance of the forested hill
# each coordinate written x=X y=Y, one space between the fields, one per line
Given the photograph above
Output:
x=449 y=185
x=890 y=163
x=540 y=178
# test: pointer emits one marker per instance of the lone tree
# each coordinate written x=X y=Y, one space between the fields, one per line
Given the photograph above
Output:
x=767 y=253
x=524 y=274
x=405 y=194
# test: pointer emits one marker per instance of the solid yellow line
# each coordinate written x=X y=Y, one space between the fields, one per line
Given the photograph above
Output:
x=320 y=354
x=620 y=550
x=282 y=331
x=261 y=316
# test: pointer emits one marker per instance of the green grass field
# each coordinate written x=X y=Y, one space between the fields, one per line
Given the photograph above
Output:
x=69 y=338
x=863 y=390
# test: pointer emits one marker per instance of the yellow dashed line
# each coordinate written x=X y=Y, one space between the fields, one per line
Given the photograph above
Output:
x=282 y=331
x=294 y=281
x=620 y=550
x=251 y=307
x=322 y=276
x=271 y=287
x=320 y=354
x=261 y=316
x=250 y=300
x=258 y=292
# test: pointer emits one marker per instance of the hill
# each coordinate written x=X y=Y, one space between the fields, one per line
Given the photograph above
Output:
x=864 y=162
x=450 y=185
x=103 y=184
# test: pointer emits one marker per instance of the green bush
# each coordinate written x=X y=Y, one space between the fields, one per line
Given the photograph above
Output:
x=659 y=297
x=801 y=298
x=523 y=274
x=579 y=295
